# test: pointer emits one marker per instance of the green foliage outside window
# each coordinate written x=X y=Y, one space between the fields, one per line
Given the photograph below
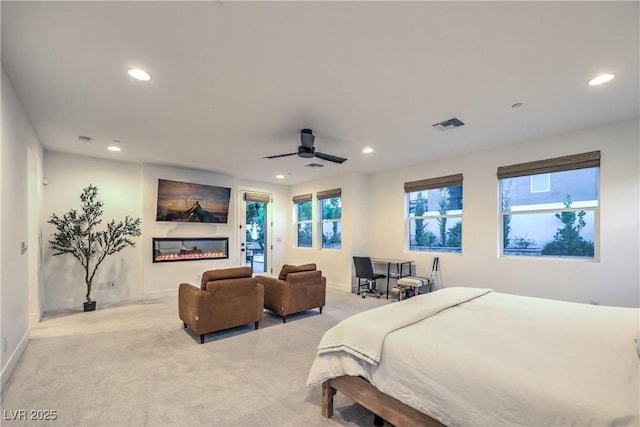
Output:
x=332 y=210
x=423 y=237
x=454 y=235
x=567 y=240
x=255 y=218
x=506 y=219
x=443 y=207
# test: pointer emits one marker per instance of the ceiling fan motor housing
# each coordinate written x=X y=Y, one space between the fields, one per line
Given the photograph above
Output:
x=306 y=152
x=307 y=138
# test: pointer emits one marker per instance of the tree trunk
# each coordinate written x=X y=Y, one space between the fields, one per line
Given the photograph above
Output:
x=88 y=296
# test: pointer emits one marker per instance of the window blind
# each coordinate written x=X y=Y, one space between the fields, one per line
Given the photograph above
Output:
x=431 y=183
x=327 y=194
x=557 y=164
x=302 y=198
x=257 y=197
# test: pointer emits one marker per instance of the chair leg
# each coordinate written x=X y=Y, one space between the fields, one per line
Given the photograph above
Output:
x=284 y=319
x=202 y=339
x=184 y=325
x=256 y=324
x=320 y=310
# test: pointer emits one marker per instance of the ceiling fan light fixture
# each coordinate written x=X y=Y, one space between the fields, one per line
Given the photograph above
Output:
x=601 y=79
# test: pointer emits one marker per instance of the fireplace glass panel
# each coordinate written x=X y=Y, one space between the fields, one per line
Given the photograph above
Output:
x=169 y=249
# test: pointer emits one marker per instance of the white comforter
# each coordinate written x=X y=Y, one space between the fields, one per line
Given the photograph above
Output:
x=494 y=359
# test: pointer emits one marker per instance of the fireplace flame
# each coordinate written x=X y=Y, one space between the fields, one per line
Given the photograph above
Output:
x=189 y=255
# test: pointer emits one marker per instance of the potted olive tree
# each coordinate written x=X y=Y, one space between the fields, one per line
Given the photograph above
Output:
x=76 y=234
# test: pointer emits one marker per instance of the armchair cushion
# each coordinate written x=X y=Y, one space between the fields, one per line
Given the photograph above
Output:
x=288 y=268
x=224 y=274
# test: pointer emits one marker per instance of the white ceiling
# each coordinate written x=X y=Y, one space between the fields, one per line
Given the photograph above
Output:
x=236 y=81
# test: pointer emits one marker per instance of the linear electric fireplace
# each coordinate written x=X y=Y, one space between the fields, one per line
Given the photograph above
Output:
x=169 y=249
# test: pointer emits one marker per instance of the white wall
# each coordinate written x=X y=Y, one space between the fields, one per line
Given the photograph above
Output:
x=613 y=279
x=131 y=189
x=120 y=189
x=336 y=264
x=162 y=279
x=21 y=165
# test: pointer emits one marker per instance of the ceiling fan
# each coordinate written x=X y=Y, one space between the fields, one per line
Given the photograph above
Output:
x=307 y=150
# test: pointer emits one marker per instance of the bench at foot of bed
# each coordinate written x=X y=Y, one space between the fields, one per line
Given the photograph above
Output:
x=382 y=405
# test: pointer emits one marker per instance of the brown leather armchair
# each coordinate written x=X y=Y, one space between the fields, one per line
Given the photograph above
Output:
x=226 y=298
x=297 y=288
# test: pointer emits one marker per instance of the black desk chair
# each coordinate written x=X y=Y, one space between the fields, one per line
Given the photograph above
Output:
x=366 y=277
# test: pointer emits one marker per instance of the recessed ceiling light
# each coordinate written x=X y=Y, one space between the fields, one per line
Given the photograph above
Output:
x=280 y=176
x=601 y=79
x=139 y=74
x=113 y=148
x=367 y=150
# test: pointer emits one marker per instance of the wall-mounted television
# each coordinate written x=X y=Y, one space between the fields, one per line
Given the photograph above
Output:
x=187 y=202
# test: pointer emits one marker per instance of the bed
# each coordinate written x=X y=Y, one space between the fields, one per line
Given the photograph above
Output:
x=472 y=356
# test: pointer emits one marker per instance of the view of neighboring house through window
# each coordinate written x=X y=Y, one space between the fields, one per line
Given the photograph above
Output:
x=304 y=222
x=331 y=208
x=550 y=207
x=434 y=214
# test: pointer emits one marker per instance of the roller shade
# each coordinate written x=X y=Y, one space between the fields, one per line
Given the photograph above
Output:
x=557 y=164
x=257 y=197
x=302 y=198
x=327 y=194
x=431 y=183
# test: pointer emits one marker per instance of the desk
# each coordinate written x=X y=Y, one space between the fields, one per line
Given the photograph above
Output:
x=400 y=268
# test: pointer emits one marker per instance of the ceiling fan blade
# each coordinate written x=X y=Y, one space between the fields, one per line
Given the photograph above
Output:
x=330 y=158
x=280 y=155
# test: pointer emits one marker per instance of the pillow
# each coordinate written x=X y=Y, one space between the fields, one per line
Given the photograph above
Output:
x=287 y=268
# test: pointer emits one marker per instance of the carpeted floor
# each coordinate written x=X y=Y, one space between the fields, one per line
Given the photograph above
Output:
x=134 y=365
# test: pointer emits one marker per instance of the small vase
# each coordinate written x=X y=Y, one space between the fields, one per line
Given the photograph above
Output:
x=90 y=306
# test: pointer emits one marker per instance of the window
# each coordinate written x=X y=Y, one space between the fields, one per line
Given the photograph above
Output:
x=558 y=222
x=331 y=208
x=540 y=183
x=304 y=223
x=434 y=214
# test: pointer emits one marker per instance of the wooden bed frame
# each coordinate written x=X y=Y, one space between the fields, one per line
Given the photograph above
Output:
x=382 y=405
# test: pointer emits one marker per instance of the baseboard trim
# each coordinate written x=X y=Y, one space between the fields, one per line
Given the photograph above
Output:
x=14 y=359
x=338 y=287
x=160 y=294
x=34 y=319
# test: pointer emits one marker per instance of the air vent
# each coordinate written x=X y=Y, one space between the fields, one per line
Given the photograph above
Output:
x=314 y=165
x=449 y=124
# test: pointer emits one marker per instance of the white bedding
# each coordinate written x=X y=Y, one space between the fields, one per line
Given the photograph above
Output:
x=495 y=359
